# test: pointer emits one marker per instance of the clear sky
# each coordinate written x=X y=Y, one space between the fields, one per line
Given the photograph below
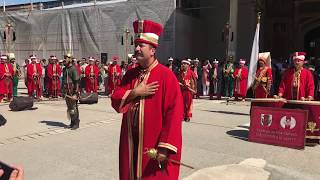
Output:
x=12 y=2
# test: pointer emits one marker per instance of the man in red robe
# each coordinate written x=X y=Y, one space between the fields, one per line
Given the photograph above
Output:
x=297 y=82
x=240 y=84
x=6 y=76
x=187 y=81
x=133 y=63
x=76 y=64
x=150 y=99
x=34 y=74
x=263 y=79
x=114 y=74
x=54 y=73
x=92 y=73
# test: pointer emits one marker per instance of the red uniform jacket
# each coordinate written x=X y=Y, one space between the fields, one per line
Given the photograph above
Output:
x=240 y=83
x=54 y=78
x=31 y=72
x=132 y=65
x=156 y=124
x=262 y=88
x=187 y=83
x=91 y=72
x=78 y=67
x=50 y=70
x=304 y=84
x=6 y=71
x=114 y=75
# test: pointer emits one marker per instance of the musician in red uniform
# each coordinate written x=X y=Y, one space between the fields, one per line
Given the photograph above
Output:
x=34 y=74
x=92 y=73
x=133 y=63
x=263 y=79
x=114 y=74
x=54 y=73
x=6 y=76
x=240 y=84
x=150 y=99
x=187 y=81
x=297 y=82
x=76 y=64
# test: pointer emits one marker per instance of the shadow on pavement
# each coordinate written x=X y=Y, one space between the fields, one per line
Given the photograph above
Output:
x=239 y=134
x=228 y=112
x=29 y=109
x=54 y=123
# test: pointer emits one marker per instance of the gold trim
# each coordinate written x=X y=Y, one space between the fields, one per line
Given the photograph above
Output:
x=141 y=132
x=168 y=146
x=312 y=137
x=141 y=123
x=130 y=148
x=146 y=37
x=123 y=100
x=140 y=26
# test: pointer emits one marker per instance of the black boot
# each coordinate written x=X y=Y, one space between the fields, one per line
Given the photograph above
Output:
x=76 y=124
x=71 y=124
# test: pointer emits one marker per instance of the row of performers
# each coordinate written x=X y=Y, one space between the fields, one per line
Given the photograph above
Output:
x=34 y=72
x=297 y=82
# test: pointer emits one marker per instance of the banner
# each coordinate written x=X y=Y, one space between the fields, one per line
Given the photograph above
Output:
x=278 y=126
x=254 y=57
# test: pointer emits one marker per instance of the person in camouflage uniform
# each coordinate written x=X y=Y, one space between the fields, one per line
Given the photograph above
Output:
x=71 y=89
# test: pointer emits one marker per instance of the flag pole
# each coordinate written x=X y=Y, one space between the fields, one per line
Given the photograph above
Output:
x=254 y=54
x=4 y=5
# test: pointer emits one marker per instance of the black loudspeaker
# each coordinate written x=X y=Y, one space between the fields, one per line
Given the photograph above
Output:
x=104 y=58
x=21 y=103
x=3 y=120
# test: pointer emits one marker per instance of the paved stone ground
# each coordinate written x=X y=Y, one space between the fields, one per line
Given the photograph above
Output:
x=38 y=140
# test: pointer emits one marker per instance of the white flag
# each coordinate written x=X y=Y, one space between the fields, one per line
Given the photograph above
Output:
x=254 y=57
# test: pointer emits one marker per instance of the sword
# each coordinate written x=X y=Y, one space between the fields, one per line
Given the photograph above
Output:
x=189 y=88
x=153 y=154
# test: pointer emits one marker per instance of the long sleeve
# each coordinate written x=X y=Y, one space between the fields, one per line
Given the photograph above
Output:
x=245 y=73
x=310 y=84
x=120 y=95
x=170 y=137
x=59 y=70
x=50 y=71
x=39 y=68
x=282 y=86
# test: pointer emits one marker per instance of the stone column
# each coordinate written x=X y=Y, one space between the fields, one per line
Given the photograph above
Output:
x=233 y=20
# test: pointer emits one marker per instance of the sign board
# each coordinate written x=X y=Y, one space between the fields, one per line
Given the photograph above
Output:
x=278 y=126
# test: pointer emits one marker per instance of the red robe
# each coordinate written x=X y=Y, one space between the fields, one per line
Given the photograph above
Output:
x=132 y=65
x=305 y=86
x=262 y=89
x=114 y=74
x=157 y=124
x=34 y=84
x=54 y=86
x=6 y=71
x=78 y=67
x=240 y=83
x=185 y=79
x=92 y=73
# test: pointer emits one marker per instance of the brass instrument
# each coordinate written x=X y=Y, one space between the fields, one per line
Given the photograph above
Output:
x=227 y=71
x=115 y=77
x=36 y=80
x=189 y=84
x=262 y=79
x=92 y=78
